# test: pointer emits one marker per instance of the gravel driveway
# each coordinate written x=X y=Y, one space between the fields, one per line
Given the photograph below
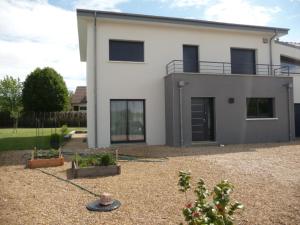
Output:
x=266 y=177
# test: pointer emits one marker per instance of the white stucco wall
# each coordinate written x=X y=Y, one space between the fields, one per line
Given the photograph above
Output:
x=280 y=49
x=90 y=86
x=127 y=80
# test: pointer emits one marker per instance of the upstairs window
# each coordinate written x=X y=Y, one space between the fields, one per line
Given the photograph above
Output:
x=260 y=107
x=132 y=51
x=242 y=61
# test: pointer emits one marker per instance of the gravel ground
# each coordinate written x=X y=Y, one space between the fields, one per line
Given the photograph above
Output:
x=266 y=177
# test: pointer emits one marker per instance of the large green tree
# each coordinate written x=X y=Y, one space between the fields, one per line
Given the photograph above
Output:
x=11 y=98
x=45 y=91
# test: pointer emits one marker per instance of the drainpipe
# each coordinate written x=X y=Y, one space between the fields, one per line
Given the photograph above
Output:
x=289 y=87
x=95 y=79
x=181 y=85
x=270 y=51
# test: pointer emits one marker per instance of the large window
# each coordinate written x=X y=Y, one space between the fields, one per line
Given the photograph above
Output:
x=242 y=61
x=260 y=107
x=293 y=64
x=126 y=51
x=127 y=120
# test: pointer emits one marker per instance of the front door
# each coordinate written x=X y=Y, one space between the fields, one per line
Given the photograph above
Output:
x=190 y=58
x=202 y=119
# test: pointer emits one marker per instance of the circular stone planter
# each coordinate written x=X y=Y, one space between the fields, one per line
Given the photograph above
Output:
x=96 y=206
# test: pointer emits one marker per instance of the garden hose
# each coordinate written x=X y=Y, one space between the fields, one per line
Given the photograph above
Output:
x=70 y=182
x=122 y=157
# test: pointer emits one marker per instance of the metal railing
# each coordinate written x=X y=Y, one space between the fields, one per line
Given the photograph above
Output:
x=225 y=68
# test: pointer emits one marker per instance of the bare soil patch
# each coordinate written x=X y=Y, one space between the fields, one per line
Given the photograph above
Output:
x=266 y=177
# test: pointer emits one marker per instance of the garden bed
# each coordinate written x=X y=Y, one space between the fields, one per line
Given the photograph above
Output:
x=95 y=171
x=95 y=166
x=41 y=163
x=42 y=159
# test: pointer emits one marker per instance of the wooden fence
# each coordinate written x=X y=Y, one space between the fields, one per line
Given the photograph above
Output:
x=45 y=119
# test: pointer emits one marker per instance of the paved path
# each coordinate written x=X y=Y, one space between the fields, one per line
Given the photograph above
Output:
x=76 y=144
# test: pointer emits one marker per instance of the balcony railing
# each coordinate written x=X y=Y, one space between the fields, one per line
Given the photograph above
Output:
x=225 y=68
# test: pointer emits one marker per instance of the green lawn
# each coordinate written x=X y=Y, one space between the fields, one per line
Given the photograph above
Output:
x=26 y=138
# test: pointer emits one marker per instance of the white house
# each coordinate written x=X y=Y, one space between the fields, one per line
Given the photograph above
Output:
x=162 y=80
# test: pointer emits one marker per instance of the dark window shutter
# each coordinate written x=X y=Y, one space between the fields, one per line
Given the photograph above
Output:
x=126 y=51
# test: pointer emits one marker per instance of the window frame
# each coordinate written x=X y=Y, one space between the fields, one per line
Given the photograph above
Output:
x=198 y=57
x=128 y=41
x=260 y=115
x=255 y=72
x=292 y=63
x=127 y=121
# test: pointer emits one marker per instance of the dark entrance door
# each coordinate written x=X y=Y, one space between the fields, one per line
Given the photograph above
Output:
x=297 y=119
x=202 y=119
x=190 y=58
x=242 y=61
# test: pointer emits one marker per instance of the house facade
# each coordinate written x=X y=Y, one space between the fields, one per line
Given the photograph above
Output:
x=161 y=80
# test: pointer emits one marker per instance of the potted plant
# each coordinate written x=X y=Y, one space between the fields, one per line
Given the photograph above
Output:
x=45 y=158
x=55 y=141
x=104 y=164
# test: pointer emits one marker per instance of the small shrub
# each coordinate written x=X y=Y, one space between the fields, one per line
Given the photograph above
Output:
x=83 y=163
x=209 y=208
x=107 y=159
x=64 y=130
x=46 y=154
x=55 y=141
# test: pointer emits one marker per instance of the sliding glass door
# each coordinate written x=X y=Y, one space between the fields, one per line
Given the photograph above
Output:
x=127 y=121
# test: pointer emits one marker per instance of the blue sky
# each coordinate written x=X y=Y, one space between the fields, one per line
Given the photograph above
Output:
x=44 y=33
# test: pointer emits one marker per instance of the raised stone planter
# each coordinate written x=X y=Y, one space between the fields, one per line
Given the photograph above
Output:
x=95 y=171
x=41 y=163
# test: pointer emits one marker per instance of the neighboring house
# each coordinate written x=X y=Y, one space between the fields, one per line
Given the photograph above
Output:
x=289 y=53
x=173 y=81
x=78 y=100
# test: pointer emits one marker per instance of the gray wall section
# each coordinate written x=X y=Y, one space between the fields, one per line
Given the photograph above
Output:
x=231 y=126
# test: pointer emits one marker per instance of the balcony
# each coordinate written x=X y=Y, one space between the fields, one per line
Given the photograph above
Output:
x=225 y=68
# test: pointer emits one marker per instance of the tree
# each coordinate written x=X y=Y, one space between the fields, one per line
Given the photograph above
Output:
x=70 y=95
x=45 y=91
x=11 y=98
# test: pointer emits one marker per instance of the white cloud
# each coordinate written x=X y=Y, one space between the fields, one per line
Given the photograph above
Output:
x=188 y=3
x=37 y=34
x=240 y=11
x=34 y=33
x=109 y=5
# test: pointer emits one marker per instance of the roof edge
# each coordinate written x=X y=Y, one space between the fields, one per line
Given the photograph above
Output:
x=176 y=20
x=286 y=44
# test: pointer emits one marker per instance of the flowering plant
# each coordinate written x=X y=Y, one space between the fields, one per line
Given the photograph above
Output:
x=209 y=208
